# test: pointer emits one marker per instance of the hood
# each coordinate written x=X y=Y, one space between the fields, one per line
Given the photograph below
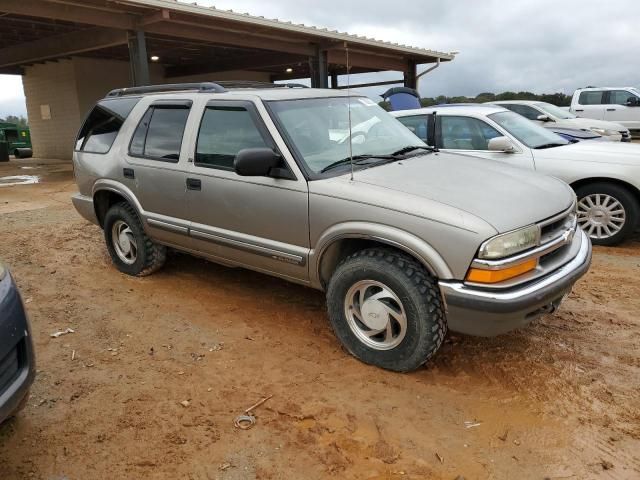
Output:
x=595 y=152
x=588 y=123
x=502 y=196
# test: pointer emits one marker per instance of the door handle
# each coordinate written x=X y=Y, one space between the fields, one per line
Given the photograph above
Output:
x=579 y=109
x=611 y=109
x=194 y=184
x=128 y=173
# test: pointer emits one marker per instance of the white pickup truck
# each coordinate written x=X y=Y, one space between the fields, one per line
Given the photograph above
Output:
x=614 y=104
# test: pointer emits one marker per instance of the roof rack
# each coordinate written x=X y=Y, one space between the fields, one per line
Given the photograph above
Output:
x=256 y=84
x=207 y=87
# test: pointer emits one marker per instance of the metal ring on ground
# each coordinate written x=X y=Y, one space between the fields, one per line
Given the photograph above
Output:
x=244 y=422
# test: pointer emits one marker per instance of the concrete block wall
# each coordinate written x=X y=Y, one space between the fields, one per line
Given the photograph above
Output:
x=71 y=87
x=51 y=88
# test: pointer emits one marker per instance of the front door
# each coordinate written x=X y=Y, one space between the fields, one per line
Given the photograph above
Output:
x=258 y=222
x=618 y=110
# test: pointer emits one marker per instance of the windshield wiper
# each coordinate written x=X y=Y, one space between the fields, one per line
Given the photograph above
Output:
x=410 y=148
x=357 y=160
x=549 y=145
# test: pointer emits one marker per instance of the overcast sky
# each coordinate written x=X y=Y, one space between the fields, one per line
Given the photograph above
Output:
x=535 y=45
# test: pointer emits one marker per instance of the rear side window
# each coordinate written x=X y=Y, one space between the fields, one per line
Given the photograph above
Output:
x=101 y=127
x=591 y=98
x=225 y=131
x=524 y=110
x=159 y=133
x=418 y=124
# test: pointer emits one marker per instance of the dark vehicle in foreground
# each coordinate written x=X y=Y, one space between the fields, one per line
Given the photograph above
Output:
x=17 y=364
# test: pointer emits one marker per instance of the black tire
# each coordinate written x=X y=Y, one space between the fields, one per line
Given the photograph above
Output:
x=150 y=256
x=628 y=201
x=420 y=297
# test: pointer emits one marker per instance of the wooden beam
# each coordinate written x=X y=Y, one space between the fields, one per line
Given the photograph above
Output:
x=222 y=37
x=61 y=46
x=68 y=13
x=248 y=62
x=376 y=62
x=163 y=15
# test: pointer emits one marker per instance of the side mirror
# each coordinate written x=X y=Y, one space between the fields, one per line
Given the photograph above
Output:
x=256 y=162
x=633 y=102
x=501 y=144
x=543 y=118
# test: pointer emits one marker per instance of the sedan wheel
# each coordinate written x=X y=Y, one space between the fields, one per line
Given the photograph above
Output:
x=607 y=212
x=601 y=216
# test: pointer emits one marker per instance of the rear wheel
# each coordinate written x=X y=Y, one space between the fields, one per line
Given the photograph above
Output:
x=608 y=213
x=386 y=309
x=131 y=250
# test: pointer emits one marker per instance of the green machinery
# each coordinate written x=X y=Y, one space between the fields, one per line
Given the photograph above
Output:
x=16 y=140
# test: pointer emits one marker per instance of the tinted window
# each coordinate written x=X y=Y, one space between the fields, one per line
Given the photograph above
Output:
x=418 y=125
x=225 y=131
x=465 y=133
x=620 y=97
x=159 y=133
x=137 y=142
x=101 y=127
x=591 y=98
x=524 y=110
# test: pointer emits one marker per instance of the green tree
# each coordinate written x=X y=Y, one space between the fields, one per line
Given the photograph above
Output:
x=20 y=121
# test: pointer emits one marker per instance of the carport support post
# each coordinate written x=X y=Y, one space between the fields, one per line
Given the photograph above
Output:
x=138 y=59
x=411 y=75
x=319 y=69
x=334 y=80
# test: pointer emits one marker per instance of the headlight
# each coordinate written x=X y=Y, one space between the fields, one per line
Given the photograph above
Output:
x=510 y=243
x=604 y=131
x=3 y=271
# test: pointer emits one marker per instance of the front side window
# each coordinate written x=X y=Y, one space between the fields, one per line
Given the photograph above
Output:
x=418 y=125
x=225 y=131
x=593 y=97
x=466 y=133
x=319 y=130
x=620 y=97
x=529 y=133
x=101 y=127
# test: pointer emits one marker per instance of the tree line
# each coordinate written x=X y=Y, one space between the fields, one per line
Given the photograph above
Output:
x=559 y=99
x=21 y=121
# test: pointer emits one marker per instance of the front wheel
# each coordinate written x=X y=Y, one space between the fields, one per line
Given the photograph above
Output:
x=386 y=309
x=608 y=213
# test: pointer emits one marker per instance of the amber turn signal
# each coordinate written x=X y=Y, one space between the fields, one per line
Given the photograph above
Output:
x=478 y=275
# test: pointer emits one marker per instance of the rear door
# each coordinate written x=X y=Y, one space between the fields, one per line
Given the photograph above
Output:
x=591 y=104
x=618 y=109
x=257 y=222
x=157 y=163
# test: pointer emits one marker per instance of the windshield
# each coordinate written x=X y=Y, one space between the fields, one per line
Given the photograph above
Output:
x=554 y=111
x=319 y=129
x=529 y=133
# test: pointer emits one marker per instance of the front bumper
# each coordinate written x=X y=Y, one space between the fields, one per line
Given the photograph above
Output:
x=17 y=364
x=486 y=313
x=84 y=206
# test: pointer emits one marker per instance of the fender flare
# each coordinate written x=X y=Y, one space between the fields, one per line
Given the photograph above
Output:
x=401 y=239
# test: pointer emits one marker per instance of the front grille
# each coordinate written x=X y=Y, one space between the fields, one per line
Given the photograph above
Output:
x=9 y=369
